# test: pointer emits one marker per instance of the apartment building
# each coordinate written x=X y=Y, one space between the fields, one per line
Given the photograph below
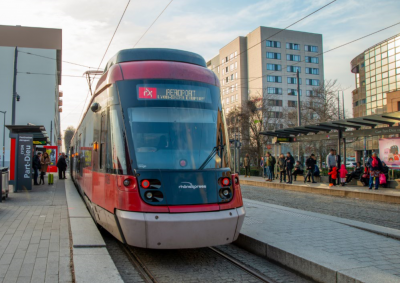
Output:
x=264 y=63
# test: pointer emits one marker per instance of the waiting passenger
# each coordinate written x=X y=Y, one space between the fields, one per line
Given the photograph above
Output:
x=333 y=176
x=356 y=174
x=375 y=168
x=298 y=170
x=317 y=173
x=310 y=163
x=343 y=174
x=282 y=168
x=385 y=171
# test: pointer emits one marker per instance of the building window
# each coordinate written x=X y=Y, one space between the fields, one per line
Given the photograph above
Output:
x=232 y=99
x=226 y=70
x=226 y=59
x=232 y=88
x=223 y=92
x=232 y=77
x=292 y=91
x=293 y=46
x=236 y=75
x=236 y=86
x=312 y=82
x=311 y=48
x=227 y=79
x=235 y=53
x=222 y=61
x=274 y=90
x=275 y=44
x=274 y=67
x=274 y=79
x=237 y=97
x=275 y=114
x=232 y=66
x=272 y=55
x=312 y=93
x=293 y=69
x=274 y=102
x=292 y=80
x=292 y=103
x=235 y=65
x=313 y=71
x=291 y=57
x=314 y=60
x=227 y=100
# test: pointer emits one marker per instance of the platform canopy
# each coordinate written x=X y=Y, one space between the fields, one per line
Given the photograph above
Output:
x=39 y=132
x=371 y=121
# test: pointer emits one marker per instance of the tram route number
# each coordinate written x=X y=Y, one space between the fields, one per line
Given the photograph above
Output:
x=174 y=92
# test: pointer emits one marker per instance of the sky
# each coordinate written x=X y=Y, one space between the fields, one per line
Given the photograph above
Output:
x=201 y=26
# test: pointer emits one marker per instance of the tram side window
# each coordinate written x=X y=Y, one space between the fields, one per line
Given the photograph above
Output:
x=116 y=162
x=103 y=139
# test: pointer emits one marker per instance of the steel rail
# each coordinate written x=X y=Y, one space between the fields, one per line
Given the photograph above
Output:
x=244 y=267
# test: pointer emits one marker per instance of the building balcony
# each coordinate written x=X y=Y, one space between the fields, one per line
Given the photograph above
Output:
x=60 y=102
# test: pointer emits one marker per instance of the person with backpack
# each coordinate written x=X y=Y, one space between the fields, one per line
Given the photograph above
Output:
x=375 y=167
x=281 y=168
x=310 y=164
x=289 y=163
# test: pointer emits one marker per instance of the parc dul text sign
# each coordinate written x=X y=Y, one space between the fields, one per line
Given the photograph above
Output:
x=24 y=157
x=345 y=135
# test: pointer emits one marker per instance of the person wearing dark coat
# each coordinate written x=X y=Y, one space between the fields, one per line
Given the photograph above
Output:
x=356 y=174
x=375 y=167
x=36 y=165
x=289 y=162
x=62 y=166
x=282 y=168
x=310 y=164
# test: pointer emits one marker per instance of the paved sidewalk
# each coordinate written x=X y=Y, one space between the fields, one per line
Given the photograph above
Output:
x=325 y=248
x=384 y=195
x=34 y=236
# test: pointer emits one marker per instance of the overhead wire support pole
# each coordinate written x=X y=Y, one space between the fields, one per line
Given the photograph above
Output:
x=14 y=95
x=298 y=110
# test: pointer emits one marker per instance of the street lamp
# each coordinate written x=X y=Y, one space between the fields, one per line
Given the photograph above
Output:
x=4 y=133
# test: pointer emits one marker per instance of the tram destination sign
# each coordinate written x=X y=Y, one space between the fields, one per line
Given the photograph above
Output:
x=350 y=134
x=174 y=92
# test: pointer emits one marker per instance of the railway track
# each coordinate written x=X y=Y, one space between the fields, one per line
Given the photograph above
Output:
x=149 y=277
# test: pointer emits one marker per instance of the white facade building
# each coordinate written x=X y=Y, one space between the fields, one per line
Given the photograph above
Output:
x=37 y=81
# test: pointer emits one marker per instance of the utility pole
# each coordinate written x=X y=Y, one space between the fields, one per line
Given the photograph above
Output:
x=344 y=115
x=338 y=104
x=14 y=96
x=4 y=134
x=298 y=109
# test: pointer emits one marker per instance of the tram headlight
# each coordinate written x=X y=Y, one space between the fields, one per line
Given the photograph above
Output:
x=127 y=182
x=149 y=195
x=226 y=192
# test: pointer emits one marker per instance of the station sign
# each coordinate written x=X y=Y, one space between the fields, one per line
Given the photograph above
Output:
x=24 y=157
x=159 y=92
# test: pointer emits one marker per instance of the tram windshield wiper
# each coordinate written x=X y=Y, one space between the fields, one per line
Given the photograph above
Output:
x=211 y=156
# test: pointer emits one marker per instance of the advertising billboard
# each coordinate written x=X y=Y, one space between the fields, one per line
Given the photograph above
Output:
x=389 y=151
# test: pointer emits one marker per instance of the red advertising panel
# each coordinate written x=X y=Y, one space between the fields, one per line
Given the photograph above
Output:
x=52 y=151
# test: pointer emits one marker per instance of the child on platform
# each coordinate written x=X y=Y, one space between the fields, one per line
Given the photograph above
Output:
x=343 y=173
x=333 y=174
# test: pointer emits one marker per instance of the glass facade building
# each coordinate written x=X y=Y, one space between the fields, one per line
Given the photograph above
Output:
x=377 y=72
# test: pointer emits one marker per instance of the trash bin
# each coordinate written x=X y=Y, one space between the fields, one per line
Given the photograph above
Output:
x=4 y=183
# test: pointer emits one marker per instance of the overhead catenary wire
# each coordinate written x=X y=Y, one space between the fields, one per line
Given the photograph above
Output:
x=108 y=46
x=159 y=15
x=44 y=74
x=68 y=62
x=265 y=39
x=319 y=54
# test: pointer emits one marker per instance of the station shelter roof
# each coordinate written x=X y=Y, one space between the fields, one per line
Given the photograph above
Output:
x=339 y=125
x=39 y=132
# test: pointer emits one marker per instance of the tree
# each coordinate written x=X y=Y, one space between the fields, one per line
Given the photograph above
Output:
x=68 y=134
x=321 y=106
x=258 y=114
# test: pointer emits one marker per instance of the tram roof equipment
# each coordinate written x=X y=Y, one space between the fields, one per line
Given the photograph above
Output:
x=155 y=54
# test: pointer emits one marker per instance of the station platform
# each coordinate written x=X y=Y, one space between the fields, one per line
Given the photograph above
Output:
x=34 y=236
x=324 y=248
x=48 y=235
x=349 y=191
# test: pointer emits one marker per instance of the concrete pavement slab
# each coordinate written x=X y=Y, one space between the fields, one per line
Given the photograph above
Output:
x=316 y=245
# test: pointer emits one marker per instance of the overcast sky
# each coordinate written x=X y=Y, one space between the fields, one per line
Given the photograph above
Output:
x=201 y=26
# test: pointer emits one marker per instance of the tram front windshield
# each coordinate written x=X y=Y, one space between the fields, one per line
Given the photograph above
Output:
x=174 y=137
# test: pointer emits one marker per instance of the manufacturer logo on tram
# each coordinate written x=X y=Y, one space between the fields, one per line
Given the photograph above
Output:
x=188 y=185
x=148 y=92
